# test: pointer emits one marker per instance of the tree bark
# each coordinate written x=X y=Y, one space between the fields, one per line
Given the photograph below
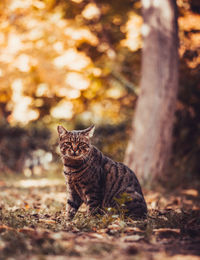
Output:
x=149 y=148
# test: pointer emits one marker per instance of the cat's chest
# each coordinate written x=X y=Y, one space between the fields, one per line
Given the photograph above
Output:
x=80 y=187
x=87 y=186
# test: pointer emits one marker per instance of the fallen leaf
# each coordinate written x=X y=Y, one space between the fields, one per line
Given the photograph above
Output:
x=96 y=235
x=132 y=229
x=114 y=227
x=27 y=230
x=175 y=230
x=4 y=228
x=190 y=192
x=47 y=221
x=167 y=232
x=132 y=238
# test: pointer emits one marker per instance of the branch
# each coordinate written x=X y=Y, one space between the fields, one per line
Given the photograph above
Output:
x=126 y=83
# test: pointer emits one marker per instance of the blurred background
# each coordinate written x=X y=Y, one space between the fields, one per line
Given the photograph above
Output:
x=77 y=63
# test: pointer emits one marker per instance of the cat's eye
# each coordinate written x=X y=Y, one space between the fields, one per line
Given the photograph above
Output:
x=83 y=145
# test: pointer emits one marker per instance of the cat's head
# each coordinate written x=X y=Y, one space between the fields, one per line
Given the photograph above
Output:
x=75 y=144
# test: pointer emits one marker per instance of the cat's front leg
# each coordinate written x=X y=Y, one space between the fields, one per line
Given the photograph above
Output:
x=93 y=202
x=73 y=203
x=71 y=210
x=92 y=209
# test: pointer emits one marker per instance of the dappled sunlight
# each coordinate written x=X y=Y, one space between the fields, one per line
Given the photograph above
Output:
x=73 y=60
x=21 y=110
x=115 y=92
x=23 y=63
x=77 y=1
x=20 y=4
x=64 y=109
x=12 y=45
x=42 y=182
x=67 y=60
x=91 y=11
x=78 y=35
x=190 y=23
x=106 y=109
x=42 y=90
x=133 y=32
x=71 y=93
x=77 y=81
x=146 y=3
x=43 y=61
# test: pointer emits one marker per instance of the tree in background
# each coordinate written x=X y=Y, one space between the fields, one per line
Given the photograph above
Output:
x=150 y=145
x=79 y=62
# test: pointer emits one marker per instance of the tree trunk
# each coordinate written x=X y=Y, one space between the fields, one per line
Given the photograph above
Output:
x=150 y=145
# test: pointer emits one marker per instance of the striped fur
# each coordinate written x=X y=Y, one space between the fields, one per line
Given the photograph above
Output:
x=96 y=179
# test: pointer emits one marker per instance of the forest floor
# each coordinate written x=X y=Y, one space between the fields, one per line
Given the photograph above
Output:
x=33 y=226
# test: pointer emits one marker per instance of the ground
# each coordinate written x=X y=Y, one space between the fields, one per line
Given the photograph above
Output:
x=33 y=226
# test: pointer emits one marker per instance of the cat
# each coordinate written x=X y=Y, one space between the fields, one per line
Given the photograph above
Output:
x=94 y=178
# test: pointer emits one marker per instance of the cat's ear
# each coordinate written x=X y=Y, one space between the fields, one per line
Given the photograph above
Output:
x=89 y=131
x=61 y=130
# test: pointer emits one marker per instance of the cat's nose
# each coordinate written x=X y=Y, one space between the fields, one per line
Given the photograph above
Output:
x=74 y=148
x=75 y=153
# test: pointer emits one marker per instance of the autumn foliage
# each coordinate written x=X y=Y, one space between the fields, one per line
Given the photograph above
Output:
x=78 y=62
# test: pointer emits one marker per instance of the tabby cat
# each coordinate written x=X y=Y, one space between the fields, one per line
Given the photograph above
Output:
x=95 y=179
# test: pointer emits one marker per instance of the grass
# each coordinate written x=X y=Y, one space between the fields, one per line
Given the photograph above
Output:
x=33 y=223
